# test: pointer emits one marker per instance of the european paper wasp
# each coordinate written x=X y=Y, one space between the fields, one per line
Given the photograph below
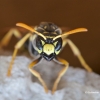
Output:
x=47 y=41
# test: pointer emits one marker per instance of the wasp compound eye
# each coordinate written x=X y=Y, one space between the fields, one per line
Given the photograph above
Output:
x=39 y=43
x=58 y=46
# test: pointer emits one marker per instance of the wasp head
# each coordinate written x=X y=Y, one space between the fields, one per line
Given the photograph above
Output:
x=48 y=48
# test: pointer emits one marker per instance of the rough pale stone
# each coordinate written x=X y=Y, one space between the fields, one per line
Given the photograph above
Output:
x=22 y=85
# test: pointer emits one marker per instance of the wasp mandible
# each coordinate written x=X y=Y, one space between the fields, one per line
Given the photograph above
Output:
x=46 y=40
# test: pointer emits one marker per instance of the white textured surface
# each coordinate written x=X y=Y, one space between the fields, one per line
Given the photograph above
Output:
x=23 y=86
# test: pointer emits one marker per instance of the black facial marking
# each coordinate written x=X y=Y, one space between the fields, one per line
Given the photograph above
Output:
x=48 y=57
x=49 y=40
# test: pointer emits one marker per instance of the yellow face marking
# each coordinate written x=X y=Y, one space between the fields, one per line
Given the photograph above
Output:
x=48 y=49
x=55 y=43
x=57 y=52
x=42 y=42
x=39 y=51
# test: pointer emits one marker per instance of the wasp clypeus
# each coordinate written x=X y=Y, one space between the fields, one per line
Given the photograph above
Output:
x=47 y=41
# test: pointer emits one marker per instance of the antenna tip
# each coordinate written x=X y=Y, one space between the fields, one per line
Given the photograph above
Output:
x=85 y=29
x=18 y=24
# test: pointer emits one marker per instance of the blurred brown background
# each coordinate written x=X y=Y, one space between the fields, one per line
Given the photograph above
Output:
x=67 y=13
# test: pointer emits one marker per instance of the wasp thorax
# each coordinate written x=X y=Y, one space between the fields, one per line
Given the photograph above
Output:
x=46 y=27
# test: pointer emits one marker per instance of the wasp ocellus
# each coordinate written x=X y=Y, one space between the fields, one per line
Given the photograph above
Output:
x=46 y=40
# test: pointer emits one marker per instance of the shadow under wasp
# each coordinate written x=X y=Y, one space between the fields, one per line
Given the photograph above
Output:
x=46 y=40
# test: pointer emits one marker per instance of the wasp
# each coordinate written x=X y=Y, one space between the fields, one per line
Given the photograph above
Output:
x=47 y=41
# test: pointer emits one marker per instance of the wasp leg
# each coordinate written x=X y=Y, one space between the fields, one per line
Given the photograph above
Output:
x=61 y=73
x=35 y=73
x=78 y=54
x=17 y=46
x=64 y=43
x=8 y=36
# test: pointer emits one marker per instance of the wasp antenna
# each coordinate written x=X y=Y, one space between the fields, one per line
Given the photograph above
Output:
x=72 y=32
x=30 y=29
x=25 y=26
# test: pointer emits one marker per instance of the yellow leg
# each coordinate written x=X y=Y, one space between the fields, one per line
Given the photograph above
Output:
x=8 y=36
x=35 y=73
x=78 y=54
x=64 y=43
x=61 y=73
x=17 y=46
